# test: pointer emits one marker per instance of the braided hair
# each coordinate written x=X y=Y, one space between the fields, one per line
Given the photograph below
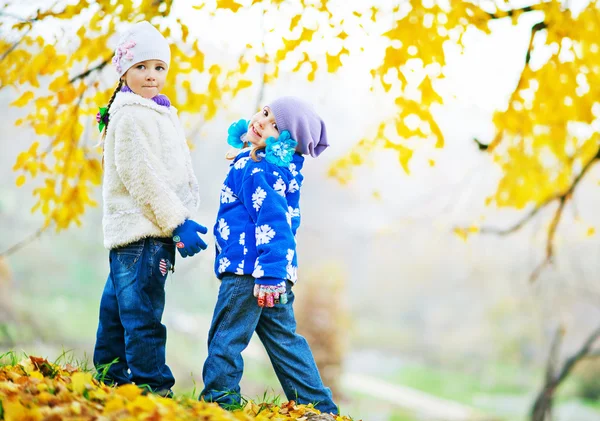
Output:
x=112 y=98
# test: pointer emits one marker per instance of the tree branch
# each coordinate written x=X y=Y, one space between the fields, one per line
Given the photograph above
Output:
x=518 y=225
x=549 y=241
x=498 y=138
x=16 y=247
x=15 y=45
x=19 y=18
x=562 y=198
x=574 y=359
x=511 y=13
x=543 y=402
x=90 y=70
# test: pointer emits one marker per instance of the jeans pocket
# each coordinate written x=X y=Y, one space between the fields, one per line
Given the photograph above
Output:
x=159 y=264
x=129 y=255
x=161 y=261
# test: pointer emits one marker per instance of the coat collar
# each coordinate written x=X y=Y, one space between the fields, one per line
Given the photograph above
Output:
x=129 y=98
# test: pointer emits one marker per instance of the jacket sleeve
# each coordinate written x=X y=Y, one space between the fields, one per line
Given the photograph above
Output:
x=144 y=175
x=192 y=180
x=263 y=195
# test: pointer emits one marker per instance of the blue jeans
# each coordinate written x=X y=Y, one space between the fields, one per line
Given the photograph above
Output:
x=131 y=309
x=236 y=317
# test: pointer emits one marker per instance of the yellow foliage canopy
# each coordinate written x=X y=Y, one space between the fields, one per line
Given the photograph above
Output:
x=543 y=138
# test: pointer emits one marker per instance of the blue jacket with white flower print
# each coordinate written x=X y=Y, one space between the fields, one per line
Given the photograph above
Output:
x=257 y=220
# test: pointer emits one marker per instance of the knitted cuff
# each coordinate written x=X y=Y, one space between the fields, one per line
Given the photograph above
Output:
x=268 y=280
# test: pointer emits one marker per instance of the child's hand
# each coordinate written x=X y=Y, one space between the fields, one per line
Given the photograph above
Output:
x=269 y=295
x=235 y=133
x=187 y=240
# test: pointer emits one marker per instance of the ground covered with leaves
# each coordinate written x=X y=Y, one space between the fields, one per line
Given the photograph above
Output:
x=34 y=389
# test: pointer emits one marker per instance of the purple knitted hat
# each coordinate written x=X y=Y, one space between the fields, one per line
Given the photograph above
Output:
x=303 y=123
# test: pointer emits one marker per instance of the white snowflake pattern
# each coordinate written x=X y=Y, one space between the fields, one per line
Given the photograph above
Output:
x=264 y=234
x=242 y=239
x=223 y=264
x=223 y=229
x=245 y=251
x=279 y=187
x=240 y=268
x=292 y=271
x=255 y=170
x=241 y=163
x=258 y=271
x=275 y=173
x=292 y=168
x=294 y=186
x=292 y=213
x=227 y=195
x=257 y=198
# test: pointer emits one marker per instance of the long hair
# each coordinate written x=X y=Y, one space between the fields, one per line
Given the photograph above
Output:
x=254 y=151
x=110 y=101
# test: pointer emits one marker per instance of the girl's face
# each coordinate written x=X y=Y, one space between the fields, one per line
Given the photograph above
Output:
x=262 y=126
x=146 y=78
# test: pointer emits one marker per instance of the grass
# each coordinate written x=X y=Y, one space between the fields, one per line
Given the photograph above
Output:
x=9 y=358
x=457 y=385
x=35 y=388
x=401 y=416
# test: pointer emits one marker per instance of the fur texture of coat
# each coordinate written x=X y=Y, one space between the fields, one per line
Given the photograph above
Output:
x=149 y=187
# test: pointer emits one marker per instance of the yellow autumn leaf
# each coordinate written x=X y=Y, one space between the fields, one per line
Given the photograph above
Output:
x=129 y=391
x=23 y=99
x=242 y=84
x=141 y=405
x=80 y=381
x=14 y=411
x=294 y=21
x=591 y=231
x=335 y=62
x=462 y=233
x=20 y=180
x=113 y=404
x=228 y=4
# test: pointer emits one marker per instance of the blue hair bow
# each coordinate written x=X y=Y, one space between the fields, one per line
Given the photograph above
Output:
x=235 y=133
x=280 y=151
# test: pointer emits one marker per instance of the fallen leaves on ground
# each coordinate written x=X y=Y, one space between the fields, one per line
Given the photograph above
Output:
x=35 y=389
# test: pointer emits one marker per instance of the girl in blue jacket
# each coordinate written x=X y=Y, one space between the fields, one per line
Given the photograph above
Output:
x=256 y=262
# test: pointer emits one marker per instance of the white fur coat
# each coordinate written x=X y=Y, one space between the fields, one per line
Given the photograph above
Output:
x=149 y=186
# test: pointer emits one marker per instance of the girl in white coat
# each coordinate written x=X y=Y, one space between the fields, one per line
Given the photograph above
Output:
x=149 y=192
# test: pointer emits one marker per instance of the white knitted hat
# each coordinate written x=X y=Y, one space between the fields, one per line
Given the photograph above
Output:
x=141 y=42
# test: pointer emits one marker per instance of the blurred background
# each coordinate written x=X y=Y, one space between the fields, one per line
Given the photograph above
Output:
x=448 y=250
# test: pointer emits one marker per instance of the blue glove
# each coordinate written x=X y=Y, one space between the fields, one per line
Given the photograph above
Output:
x=187 y=240
x=235 y=133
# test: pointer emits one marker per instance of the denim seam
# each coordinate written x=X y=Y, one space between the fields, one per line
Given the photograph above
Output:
x=137 y=258
x=226 y=317
x=154 y=326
